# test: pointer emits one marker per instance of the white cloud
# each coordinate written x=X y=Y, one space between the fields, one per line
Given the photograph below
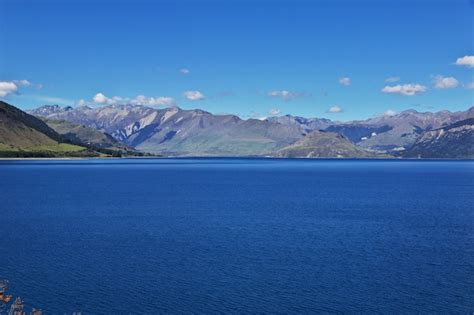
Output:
x=405 y=89
x=335 y=109
x=469 y=85
x=467 y=61
x=193 y=95
x=389 y=112
x=284 y=94
x=441 y=82
x=274 y=112
x=22 y=82
x=100 y=98
x=7 y=87
x=346 y=81
x=153 y=101
x=26 y=83
x=184 y=71
x=392 y=79
x=81 y=102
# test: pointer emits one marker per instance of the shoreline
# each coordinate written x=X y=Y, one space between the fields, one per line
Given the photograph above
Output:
x=230 y=157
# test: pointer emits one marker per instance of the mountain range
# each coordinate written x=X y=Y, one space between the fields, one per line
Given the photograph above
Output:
x=445 y=142
x=173 y=131
x=386 y=132
x=177 y=132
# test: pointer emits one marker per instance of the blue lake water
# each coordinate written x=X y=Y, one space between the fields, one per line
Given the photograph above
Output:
x=238 y=235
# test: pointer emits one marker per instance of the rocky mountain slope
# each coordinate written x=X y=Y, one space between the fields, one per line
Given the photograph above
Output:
x=324 y=144
x=120 y=121
x=86 y=136
x=383 y=133
x=305 y=125
x=398 y=131
x=174 y=131
x=453 y=141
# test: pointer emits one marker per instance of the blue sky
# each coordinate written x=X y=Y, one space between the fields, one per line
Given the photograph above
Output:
x=251 y=58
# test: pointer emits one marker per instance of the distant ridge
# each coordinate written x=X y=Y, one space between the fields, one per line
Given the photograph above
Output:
x=177 y=132
x=453 y=141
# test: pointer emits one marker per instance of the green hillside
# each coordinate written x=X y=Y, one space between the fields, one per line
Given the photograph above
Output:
x=22 y=134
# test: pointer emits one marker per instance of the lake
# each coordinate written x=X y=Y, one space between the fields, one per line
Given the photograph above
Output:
x=238 y=235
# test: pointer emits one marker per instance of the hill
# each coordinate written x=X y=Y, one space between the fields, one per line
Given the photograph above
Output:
x=324 y=144
x=22 y=134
